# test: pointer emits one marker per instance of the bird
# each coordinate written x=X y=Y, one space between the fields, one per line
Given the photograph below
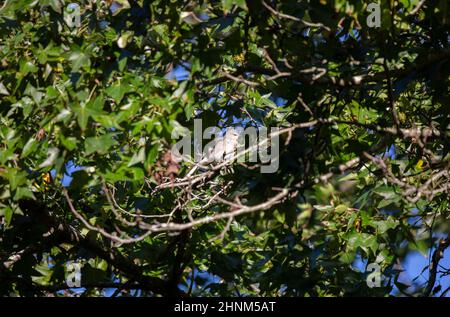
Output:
x=223 y=150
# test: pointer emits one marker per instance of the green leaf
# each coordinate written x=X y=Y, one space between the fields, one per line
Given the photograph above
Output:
x=80 y=180
x=364 y=241
x=341 y=208
x=152 y=156
x=139 y=157
x=117 y=91
x=7 y=213
x=99 y=144
x=23 y=192
x=29 y=147
x=34 y=93
x=228 y=4
x=79 y=60
x=27 y=67
x=384 y=225
x=16 y=178
x=279 y=216
x=86 y=110
x=69 y=143
x=347 y=257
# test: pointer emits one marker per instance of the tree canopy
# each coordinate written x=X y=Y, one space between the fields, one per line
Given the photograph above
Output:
x=88 y=112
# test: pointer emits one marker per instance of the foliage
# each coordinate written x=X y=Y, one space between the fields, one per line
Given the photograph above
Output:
x=364 y=163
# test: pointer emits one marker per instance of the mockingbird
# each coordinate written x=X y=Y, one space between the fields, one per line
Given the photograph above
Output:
x=223 y=149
